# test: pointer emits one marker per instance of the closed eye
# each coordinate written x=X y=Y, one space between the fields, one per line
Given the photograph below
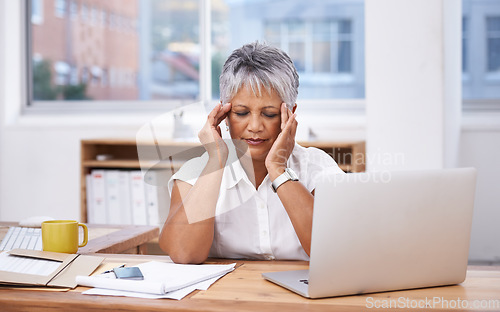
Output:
x=270 y=115
x=241 y=113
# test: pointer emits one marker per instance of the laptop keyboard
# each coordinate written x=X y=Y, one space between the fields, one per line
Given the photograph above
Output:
x=23 y=238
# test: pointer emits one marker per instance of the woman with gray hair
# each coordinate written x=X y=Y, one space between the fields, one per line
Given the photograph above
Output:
x=250 y=196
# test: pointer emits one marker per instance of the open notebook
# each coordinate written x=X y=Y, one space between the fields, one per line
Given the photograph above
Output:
x=23 y=238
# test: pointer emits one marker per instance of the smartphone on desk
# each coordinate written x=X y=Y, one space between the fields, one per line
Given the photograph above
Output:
x=132 y=273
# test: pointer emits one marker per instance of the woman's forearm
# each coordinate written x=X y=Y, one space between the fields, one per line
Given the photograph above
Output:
x=298 y=203
x=188 y=232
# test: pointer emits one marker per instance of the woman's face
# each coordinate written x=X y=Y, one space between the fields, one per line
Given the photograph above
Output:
x=255 y=120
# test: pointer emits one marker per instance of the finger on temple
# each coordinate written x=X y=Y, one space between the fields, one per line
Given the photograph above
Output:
x=214 y=111
x=290 y=122
x=294 y=125
x=284 y=115
x=226 y=108
x=222 y=114
x=218 y=111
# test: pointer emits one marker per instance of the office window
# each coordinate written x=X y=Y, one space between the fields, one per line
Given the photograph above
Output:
x=96 y=73
x=73 y=9
x=84 y=12
x=324 y=38
x=85 y=75
x=151 y=50
x=74 y=79
x=493 y=39
x=465 y=27
x=344 y=42
x=111 y=20
x=37 y=12
x=62 y=71
x=94 y=15
x=102 y=18
x=60 y=8
x=329 y=50
x=481 y=54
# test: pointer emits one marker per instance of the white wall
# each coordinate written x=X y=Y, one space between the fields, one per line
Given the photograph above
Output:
x=413 y=82
x=39 y=155
x=413 y=101
x=480 y=148
x=40 y=170
x=2 y=85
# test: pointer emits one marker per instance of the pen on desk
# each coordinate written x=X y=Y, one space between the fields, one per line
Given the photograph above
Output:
x=109 y=271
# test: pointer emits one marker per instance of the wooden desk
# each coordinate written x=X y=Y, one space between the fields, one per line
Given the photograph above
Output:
x=245 y=290
x=110 y=238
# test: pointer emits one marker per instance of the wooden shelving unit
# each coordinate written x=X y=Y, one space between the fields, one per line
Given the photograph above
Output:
x=350 y=156
x=123 y=154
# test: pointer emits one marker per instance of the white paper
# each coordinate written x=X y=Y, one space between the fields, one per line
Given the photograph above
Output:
x=26 y=265
x=177 y=294
x=159 y=277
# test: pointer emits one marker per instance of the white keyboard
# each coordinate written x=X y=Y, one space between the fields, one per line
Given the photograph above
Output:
x=23 y=238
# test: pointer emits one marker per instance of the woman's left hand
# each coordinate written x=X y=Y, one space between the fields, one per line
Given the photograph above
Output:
x=283 y=146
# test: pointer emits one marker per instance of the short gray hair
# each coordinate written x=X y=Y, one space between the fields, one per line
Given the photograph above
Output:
x=259 y=65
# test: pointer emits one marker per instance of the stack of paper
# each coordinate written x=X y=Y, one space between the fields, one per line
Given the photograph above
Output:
x=161 y=280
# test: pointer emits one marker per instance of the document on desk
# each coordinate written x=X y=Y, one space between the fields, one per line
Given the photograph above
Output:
x=23 y=267
x=160 y=278
x=176 y=294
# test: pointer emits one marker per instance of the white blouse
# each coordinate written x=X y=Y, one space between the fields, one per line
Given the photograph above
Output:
x=252 y=223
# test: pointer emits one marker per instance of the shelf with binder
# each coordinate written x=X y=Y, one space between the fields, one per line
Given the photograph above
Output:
x=113 y=155
x=108 y=163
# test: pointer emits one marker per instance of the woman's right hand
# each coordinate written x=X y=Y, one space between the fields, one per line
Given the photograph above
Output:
x=210 y=135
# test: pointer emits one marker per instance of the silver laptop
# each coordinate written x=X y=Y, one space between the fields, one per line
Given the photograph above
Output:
x=385 y=231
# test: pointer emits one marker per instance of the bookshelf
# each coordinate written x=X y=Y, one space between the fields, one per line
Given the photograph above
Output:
x=123 y=154
x=350 y=156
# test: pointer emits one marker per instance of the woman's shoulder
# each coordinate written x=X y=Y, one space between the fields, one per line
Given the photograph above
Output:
x=195 y=162
x=310 y=154
x=311 y=162
x=191 y=169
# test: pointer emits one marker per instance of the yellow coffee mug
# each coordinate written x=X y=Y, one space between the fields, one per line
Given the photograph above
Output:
x=62 y=236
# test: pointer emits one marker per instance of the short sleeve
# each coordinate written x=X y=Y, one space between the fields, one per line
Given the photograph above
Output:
x=189 y=172
x=313 y=164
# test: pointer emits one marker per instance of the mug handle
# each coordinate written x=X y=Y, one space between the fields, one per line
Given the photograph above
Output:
x=85 y=234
